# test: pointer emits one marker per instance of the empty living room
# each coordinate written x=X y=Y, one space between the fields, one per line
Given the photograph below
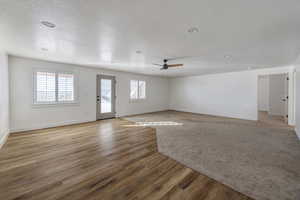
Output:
x=149 y=100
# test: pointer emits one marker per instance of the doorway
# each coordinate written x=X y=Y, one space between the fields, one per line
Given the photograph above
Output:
x=273 y=99
x=106 y=97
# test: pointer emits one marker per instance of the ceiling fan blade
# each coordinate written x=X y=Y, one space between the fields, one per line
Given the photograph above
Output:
x=157 y=64
x=175 y=65
x=177 y=58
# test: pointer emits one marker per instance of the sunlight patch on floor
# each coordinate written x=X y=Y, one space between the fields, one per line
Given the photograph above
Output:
x=162 y=123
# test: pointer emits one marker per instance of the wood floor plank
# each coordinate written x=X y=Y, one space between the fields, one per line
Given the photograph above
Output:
x=99 y=160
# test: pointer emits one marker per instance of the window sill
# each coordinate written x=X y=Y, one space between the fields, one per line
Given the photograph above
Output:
x=47 y=105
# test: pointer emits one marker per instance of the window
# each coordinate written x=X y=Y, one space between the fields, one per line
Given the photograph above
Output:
x=142 y=89
x=45 y=87
x=65 y=87
x=134 y=89
x=53 y=87
x=137 y=89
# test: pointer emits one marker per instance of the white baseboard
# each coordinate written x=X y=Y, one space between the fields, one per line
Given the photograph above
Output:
x=140 y=113
x=217 y=115
x=3 y=139
x=56 y=124
x=49 y=125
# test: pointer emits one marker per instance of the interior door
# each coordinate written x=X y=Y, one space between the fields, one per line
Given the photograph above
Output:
x=106 y=89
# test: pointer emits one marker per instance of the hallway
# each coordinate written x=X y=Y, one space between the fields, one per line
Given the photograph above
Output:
x=276 y=121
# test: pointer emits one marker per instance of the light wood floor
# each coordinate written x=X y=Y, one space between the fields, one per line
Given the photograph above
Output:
x=99 y=160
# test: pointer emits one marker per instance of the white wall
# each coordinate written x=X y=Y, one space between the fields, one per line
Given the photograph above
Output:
x=4 y=99
x=24 y=116
x=277 y=93
x=263 y=93
x=229 y=94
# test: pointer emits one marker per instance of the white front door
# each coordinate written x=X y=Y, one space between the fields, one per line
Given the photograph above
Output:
x=106 y=97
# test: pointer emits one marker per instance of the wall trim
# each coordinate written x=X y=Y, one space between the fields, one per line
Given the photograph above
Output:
x=49 y=125
x=136 y=114
x=213 y=115
x=4 y=138
x=65 y=123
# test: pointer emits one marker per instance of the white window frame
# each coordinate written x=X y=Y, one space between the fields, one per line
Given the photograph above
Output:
x=56 y=102
x=138 y=90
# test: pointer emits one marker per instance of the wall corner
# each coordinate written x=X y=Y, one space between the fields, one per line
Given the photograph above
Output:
x=4 y=138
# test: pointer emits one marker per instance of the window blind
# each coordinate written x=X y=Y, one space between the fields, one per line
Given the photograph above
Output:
x=65 y=87
x=142 y=89
x=133 y=89
x=45 y=87
x=137 y=89
x=54 y=87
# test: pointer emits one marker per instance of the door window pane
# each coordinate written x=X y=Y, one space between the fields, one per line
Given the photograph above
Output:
x=106 y=97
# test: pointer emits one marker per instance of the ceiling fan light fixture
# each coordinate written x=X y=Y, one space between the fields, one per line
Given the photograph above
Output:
x=48 y=24
x=193 y=30
x=227 y=56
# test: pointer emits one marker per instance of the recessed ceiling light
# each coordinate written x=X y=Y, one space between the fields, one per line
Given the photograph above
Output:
x=193 y=30
x=227 y=56
x=138 y=52
x=48 y=24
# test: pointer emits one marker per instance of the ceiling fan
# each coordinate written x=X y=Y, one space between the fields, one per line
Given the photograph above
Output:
x=166 y=66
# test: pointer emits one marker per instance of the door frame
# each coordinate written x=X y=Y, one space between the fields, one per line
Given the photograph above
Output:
x=112 y=114
x=291 y=92
x=286 y=98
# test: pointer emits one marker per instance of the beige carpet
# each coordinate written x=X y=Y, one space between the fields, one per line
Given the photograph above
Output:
x=254 y=158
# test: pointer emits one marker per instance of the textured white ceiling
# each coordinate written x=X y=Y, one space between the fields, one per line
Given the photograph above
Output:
x=107 y=33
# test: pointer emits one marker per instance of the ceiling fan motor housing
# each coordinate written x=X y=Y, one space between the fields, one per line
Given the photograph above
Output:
x=165 y=64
